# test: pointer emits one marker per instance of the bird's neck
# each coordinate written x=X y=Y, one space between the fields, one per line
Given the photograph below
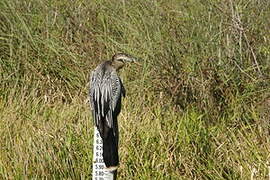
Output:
x=117 y=65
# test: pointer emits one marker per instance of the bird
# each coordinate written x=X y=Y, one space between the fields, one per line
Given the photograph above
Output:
x=106 y=91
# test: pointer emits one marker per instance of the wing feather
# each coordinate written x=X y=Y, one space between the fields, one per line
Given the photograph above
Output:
x=105 y=92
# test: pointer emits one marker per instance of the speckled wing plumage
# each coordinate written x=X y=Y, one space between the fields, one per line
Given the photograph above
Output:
x=106 y=90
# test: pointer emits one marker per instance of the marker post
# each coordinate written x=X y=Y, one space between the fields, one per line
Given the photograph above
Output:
x=100 y=172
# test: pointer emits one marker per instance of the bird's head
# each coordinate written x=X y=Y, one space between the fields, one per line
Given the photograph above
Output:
x=120 y=59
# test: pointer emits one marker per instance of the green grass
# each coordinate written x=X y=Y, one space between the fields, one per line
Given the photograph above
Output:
x=196 y=108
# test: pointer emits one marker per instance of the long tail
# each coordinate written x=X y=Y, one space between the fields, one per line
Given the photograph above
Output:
x=110 y=150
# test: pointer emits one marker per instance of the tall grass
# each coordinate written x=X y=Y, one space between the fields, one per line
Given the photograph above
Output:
x=196 y=108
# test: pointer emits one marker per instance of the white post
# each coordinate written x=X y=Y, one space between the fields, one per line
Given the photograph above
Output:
x=99 y=169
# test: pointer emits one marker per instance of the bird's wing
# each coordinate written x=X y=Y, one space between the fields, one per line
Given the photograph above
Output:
x=117 y=89
x=123 y=90
x=104 y=96
x=111 y=93
x=94 y=93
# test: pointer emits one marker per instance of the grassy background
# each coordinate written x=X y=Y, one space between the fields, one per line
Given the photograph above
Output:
x=196 y=108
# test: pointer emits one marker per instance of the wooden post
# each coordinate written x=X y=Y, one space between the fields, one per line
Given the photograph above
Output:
x=100 y=172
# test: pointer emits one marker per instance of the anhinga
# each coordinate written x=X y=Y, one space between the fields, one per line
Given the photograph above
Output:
x=106 y=91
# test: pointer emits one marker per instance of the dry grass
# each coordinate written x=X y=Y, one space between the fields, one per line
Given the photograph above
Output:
x=196 y=108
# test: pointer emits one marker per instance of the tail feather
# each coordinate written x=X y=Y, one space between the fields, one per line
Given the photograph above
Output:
x=110 y=150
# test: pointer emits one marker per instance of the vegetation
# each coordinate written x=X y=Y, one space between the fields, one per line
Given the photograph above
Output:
x=196 y=108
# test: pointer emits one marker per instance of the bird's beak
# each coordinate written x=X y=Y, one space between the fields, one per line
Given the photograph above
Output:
x=136 y=61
